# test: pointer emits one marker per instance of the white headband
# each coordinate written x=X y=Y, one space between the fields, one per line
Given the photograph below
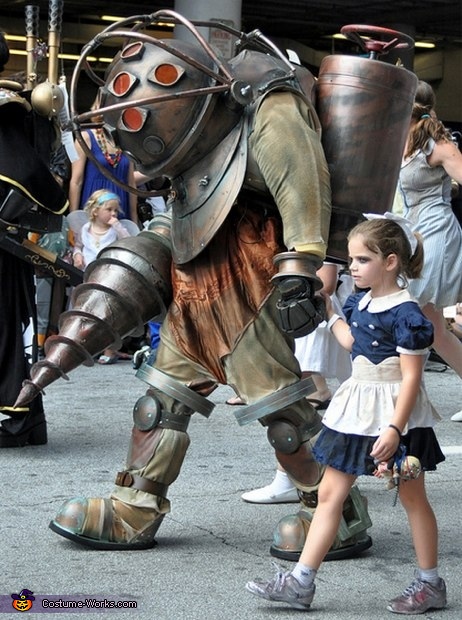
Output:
x=402 y=222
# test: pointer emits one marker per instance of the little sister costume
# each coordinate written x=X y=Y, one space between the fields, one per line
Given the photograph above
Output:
x=383 y=328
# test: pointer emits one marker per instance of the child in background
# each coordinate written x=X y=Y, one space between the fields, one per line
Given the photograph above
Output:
x=382 y=407
x=102 y=229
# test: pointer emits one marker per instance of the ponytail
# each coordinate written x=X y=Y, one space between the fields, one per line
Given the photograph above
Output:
x=426 y=126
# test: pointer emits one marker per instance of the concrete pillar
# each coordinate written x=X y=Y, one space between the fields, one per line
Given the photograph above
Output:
x=226 y=11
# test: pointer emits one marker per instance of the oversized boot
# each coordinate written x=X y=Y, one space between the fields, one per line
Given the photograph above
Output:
x=291 y=532
x=293 y=425
x=351 y=540
x=130 y=518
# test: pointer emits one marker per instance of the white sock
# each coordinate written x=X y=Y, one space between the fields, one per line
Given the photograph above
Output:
x=304 y=574
x=430 y=575
x=281 y=482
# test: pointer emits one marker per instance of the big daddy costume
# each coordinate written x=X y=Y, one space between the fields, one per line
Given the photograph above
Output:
x=231 y=269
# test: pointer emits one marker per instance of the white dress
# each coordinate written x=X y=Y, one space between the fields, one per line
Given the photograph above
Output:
x=364 y=404
x=91 y=245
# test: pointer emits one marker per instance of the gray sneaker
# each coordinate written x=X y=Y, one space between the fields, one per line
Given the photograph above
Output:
x=419 y=597
x=283 y=588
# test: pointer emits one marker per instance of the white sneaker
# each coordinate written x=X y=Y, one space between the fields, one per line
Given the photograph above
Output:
x=268 y=495
x=457 y=417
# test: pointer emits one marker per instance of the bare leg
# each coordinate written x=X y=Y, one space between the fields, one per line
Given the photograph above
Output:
x=422 y=521
x=428 y=590
x=333 y=491
x=322 y=392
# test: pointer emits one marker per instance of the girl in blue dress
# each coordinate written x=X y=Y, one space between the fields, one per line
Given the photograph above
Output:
x=382 y=406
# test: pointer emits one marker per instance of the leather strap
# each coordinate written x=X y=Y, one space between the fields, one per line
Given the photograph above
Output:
x=126 y=479
x=107 y=519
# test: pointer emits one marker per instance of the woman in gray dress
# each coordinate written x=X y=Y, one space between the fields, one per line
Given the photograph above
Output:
x=431 y=161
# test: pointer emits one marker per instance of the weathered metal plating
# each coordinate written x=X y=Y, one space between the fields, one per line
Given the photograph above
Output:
x=157 y=379
x=274 y=402
x=364 y=106
x=125 y=288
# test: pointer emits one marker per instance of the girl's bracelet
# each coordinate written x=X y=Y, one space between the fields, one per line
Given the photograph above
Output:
x=396 y=429
x=333 y=319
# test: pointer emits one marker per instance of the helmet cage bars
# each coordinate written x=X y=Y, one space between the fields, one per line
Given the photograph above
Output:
x=217 y=80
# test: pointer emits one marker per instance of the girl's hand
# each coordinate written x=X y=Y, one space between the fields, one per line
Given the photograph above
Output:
x=386 y=445
x=113 y=221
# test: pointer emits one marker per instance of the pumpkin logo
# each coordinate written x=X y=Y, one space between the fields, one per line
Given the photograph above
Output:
x=23 y=600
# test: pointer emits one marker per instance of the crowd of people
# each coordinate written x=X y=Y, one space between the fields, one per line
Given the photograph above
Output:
x=405 y=269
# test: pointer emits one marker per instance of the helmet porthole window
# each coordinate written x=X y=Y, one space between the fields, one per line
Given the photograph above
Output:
x=134 y=51
x=122 y=84
x=166 y=74
x=133 y=119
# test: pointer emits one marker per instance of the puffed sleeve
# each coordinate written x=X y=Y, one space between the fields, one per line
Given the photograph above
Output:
x=350 y=304
x=413 y=332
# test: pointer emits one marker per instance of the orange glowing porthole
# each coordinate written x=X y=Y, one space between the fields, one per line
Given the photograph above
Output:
x=134 y=51
x=122 y=84
x=166 y=74
x=133 y=119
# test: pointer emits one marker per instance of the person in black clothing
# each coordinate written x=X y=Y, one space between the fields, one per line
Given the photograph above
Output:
x=25 y=176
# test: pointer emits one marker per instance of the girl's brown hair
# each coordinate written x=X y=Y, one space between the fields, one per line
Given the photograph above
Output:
x=385 y=237
x=425 y=124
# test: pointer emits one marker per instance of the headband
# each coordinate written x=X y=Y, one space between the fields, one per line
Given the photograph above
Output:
x=402 y=223
x=106 y=197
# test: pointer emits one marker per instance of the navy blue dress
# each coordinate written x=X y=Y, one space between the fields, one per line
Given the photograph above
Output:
x=383 y=328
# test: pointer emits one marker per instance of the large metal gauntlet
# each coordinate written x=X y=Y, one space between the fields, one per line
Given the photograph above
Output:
x=300 y=311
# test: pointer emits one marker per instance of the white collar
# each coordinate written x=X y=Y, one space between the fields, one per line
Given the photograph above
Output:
x=380 y=304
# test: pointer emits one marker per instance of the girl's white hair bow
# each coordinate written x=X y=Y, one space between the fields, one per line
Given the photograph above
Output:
x=401 y=221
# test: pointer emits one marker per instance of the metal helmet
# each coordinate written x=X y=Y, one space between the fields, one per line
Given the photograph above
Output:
x=169 y=123
x=165 y=102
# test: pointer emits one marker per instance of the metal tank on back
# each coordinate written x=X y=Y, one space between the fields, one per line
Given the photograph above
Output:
x=364 y=106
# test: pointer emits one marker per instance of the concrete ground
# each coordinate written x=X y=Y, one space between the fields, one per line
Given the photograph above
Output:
x=212 y=542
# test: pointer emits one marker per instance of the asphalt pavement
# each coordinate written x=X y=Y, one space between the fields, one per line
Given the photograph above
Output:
x=212 y=542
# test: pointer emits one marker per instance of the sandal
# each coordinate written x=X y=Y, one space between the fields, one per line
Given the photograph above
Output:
x=106 y=360
x=319 y=405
